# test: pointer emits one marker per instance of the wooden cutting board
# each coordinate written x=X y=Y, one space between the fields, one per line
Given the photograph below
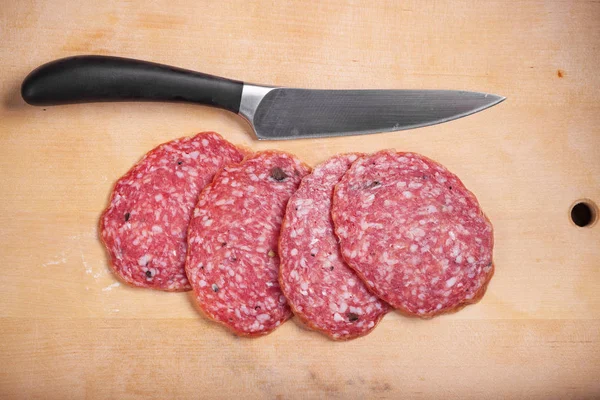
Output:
x=69 y=330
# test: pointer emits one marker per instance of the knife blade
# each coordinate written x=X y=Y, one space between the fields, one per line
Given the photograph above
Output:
x=285 y=113
x=274 y=113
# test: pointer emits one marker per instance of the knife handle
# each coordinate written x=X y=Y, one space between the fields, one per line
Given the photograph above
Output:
x=85 y=79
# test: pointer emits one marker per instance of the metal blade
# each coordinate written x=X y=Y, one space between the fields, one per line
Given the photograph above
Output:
x=284 y=113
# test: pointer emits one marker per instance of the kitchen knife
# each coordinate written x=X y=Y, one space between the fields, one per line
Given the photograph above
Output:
x=273 y=112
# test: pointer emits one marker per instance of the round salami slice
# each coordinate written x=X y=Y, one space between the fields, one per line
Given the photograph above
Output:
x=145 y=225
x=413 y=232
x=232 y=260
x=321 y=289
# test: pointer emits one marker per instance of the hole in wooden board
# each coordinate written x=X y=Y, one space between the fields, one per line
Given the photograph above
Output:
x=584 y=213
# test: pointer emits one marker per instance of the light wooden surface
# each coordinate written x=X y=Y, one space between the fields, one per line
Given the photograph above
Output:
x=69 y=330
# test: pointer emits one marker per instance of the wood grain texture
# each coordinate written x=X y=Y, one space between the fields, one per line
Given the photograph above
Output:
x=68 y=330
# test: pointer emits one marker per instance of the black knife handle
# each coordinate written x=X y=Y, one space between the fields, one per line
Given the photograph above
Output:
x=85 y=79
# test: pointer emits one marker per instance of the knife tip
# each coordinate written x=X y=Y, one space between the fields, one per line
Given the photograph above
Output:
x=492 y=99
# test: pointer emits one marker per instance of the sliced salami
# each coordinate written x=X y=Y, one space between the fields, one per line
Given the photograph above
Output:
x=413 y=233
x=321 y=289
x=145 y=225
x=232 y=260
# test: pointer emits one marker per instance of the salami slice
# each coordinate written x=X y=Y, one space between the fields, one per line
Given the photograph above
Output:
x=232 y=260
x=145 y=225
x=321 y=289
x=413 y=233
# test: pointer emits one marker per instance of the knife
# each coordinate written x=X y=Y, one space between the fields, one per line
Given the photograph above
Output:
x=273 y=112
